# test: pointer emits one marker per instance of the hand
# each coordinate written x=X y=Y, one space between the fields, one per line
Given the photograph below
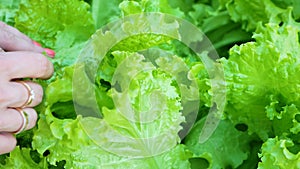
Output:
x=20 y=57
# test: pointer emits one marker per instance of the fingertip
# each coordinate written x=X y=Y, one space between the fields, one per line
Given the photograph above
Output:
x=51 y=53
x=8 y=142
x=46 y=68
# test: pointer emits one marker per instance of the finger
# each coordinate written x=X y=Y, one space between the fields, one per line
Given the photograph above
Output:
x=16 y=94
x=15 y=65
x=15 y=31
x=8 y=142
x=13 y=40
x=11 y=120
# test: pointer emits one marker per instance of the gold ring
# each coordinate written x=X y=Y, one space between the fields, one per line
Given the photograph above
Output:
x=31 y=94
x=24 y=116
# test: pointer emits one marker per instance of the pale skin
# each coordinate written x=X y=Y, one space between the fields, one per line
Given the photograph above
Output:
x=20 y=58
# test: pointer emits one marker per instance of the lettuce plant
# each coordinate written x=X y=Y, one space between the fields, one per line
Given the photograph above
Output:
x=142 y=122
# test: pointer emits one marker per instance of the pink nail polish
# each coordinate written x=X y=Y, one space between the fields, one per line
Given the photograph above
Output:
x=50 y=52
x=37 y=44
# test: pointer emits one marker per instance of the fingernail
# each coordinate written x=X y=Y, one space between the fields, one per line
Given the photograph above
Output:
x=50 y=52
x=37 y=44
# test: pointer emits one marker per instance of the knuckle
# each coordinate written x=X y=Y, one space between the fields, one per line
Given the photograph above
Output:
x=2 y=123
x=4 y=95
x=4 y=65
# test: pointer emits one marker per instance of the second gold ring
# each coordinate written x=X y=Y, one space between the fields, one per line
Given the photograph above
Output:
x=25 y=120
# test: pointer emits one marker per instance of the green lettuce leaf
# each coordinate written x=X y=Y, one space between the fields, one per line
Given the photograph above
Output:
x=61 y=91
x=184 y=6
x=135 y=30
x=174 y=159
x=22 y=158
x=199 y=73
x=57 y=24
x=8 y=11
x=251 y=12
x=67 y=56
x=289 y=3
x=214 y=20
x=147 y=104
x=252 y=161
x=104 y=11
x=133 y=7
x=68 y=140
x=227 y=147
x=70 y=143
x=262 y=78
x=275 y=154
x=286 y=122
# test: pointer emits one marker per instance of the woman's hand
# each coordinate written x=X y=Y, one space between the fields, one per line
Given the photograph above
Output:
x=20 y=57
